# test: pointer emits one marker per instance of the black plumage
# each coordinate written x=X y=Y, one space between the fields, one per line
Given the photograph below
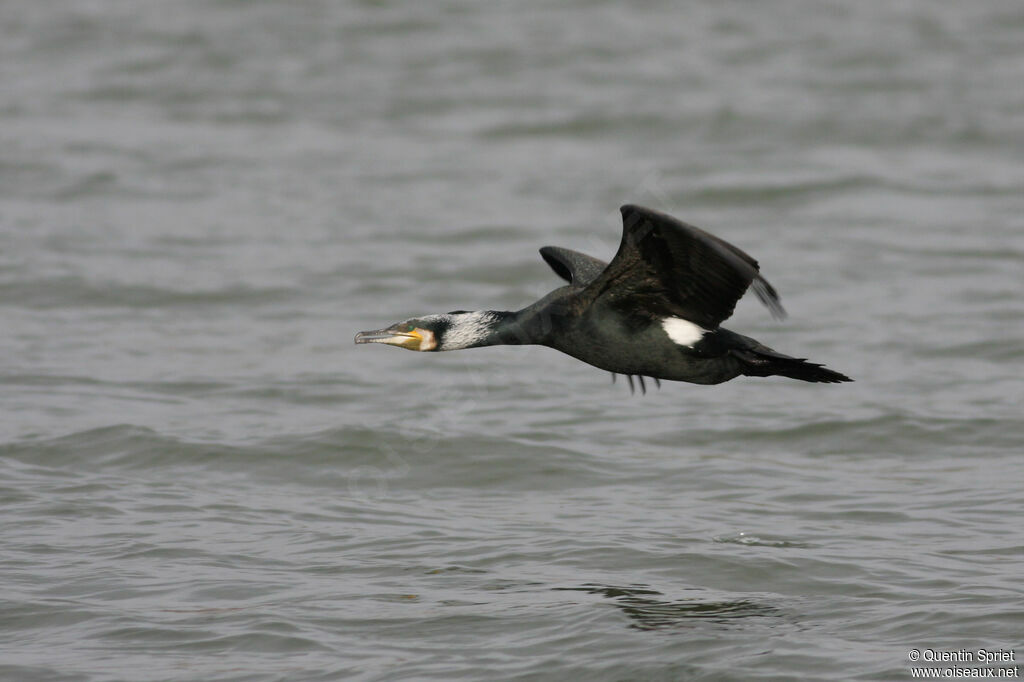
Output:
x=655 y=310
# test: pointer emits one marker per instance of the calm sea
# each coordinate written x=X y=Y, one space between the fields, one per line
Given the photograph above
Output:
x=202 y=478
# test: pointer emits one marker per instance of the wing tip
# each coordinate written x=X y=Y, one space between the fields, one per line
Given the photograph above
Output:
x=769 y=297
x=632 y=212
x=550 y=254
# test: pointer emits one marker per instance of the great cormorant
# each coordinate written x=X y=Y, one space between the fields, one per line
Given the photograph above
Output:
x=654 y=311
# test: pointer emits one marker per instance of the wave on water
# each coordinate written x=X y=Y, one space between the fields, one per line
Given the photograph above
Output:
x=901 y=435
x=358 y=459
x=78 y=292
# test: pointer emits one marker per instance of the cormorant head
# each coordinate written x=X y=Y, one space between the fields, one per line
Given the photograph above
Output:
x=448 y=331
x=418 y=333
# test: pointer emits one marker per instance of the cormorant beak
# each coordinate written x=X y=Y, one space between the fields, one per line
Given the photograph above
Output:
x=414 y=339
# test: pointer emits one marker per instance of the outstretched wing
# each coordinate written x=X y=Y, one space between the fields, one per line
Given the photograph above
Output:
x=572 y=266
x=665 y=267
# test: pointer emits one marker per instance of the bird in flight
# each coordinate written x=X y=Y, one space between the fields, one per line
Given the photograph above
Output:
x=654 y=311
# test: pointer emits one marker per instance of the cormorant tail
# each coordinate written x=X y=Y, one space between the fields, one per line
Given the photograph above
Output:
x=766 y=363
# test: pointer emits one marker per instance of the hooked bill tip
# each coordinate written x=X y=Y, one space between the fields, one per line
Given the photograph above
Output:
x=370 y=337
x=382 y=336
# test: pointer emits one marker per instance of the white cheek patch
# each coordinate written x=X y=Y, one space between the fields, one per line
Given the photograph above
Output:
x=683 y=332
x=427 y=340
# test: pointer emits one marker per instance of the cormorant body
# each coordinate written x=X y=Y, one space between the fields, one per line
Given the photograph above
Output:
x=654 y=311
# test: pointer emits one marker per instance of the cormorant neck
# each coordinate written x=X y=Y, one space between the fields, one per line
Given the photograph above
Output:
x=482 y=328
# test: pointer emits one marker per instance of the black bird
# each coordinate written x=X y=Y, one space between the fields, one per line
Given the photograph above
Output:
x=654 y=311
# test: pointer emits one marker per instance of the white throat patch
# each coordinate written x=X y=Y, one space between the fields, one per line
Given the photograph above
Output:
x=683 y=332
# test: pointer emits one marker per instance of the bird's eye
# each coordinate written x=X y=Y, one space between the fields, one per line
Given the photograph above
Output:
x=409 y=327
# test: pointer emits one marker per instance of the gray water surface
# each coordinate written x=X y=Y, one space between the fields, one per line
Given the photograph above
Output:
x=202 y=478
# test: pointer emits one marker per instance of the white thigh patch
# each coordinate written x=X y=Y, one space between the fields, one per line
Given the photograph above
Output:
x=683 y=332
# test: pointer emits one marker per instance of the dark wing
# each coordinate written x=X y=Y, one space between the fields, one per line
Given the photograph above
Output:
x=572 y=266
x=665 y=267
